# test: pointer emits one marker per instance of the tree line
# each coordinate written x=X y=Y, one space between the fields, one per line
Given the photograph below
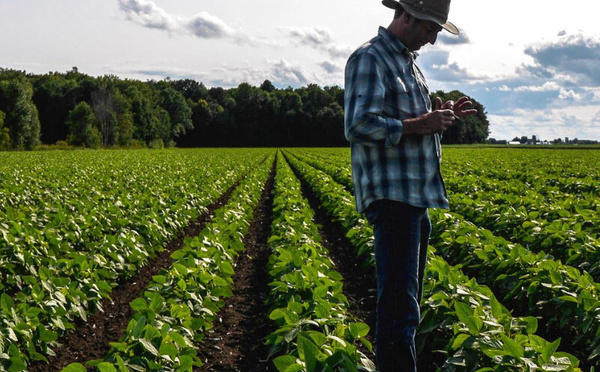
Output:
x=73 y=108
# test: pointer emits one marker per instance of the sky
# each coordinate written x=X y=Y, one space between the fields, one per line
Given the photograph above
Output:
x=533 y=64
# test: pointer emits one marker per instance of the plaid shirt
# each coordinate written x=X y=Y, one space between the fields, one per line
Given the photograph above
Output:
x=383 y=86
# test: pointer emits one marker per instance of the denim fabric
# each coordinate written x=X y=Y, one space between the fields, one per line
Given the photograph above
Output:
x=401 y=238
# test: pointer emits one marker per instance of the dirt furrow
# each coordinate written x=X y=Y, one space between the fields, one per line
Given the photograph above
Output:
x=236 y=343
x=90 y=340
x=359 y=281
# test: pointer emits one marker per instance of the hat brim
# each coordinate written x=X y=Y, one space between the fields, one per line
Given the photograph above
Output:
x=448 y=26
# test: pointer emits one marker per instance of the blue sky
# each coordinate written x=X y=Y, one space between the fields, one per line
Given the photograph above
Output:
x=533 y=64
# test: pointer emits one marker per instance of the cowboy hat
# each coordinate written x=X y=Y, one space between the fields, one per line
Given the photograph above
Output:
x=429 y=10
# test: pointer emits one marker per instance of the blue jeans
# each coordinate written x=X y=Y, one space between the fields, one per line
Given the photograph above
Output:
x=401 y=238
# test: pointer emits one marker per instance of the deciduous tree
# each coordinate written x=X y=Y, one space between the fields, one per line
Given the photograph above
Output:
x=82 y=129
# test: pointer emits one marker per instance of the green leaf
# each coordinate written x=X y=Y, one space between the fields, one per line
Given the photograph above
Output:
x=322 y=310
x=460 y=340
x=549 y=350
x=179 y=339
x=48 y=336
x=106 y=367
x=226 y=268
x=220 y=282
x=120 y=346
x=185 y=363
x=569 y=299
x=308 y=352
x=7 y=303
x=149 y=346
x=463 y=311
x=139 y=327
x=74 y=367
x=359 y=330
x=512 y=348
x=531 y=324
x=474 y=324
x=160 y=279
x=139 y=304
x=277 y=314
x=168 y=349
x=497 y=310
x=283 y=362
x=121 y=364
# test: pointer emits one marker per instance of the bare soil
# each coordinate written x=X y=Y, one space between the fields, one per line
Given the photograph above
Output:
x=90 y=340
x=237 y=341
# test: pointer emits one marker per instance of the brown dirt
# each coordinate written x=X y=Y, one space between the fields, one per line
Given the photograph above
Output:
x=90 y=340
x=237 y=341
x=359 y=281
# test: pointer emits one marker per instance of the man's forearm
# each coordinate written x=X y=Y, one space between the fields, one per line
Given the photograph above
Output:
x=414 y=126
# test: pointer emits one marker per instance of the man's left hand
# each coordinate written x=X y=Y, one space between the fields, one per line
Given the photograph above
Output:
x=461 y=108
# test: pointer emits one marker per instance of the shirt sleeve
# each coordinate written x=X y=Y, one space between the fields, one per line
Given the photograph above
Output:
x=364 y=97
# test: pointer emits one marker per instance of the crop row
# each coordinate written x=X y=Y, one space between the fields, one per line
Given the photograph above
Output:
x=72 y=228
x=566 y=299
x=563 y=171
x=570 y=238
x=180 y=304
x=315 y=331
x=467 y=320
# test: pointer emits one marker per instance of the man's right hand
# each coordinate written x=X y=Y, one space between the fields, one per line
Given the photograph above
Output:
x=437 y=121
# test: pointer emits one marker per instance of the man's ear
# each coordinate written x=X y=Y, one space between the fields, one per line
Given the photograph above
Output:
x=408 y=18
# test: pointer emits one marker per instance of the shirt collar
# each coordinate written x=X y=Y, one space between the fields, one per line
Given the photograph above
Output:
x=395 y=43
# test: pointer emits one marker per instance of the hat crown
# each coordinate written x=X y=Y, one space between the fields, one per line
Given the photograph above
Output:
x=438 y=9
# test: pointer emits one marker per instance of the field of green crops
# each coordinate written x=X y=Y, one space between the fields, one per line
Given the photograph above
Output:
x=512 y=282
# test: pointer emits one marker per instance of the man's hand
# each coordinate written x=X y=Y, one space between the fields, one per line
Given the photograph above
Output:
x=438 y=121
x=461 y=108
x=441 y=119
x=432 y=122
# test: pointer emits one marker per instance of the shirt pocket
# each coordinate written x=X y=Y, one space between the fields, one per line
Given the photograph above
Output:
x=397 y=99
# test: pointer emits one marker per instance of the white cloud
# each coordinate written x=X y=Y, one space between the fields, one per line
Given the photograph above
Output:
x=569 y=94
x=147 y=14
x=573 y=56
x=318 y=38
x=449 y=39
x=330 y=67
x=207 y=26
x=203 y=25
x=575 y=122
x=549 y=86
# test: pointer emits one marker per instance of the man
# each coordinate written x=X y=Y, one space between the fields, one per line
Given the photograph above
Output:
x=396 y=152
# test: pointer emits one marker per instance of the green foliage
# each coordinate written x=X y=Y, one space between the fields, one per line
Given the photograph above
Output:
x=75 y=223
x=4 y=135
x=315 y=331
x=131 y=113
x=82 y=128
x=21 y=115
x=181 y=303
x=461 y=318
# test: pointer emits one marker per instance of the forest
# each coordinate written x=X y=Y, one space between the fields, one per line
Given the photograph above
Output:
x=73 y=109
